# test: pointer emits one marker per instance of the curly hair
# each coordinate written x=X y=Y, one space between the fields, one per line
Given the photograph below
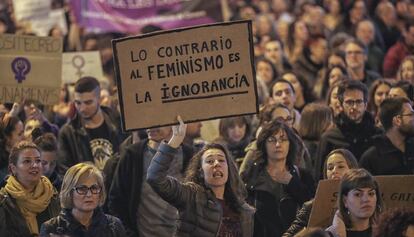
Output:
x=234 y=192
x=394 y=222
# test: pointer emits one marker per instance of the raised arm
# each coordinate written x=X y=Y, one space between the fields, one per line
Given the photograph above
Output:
x=169 y=188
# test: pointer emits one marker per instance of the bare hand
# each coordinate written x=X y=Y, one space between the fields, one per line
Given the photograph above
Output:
x=178 y=133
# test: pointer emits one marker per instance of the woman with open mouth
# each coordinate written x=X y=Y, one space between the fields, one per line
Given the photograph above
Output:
x=29 y=198
x=211 y=198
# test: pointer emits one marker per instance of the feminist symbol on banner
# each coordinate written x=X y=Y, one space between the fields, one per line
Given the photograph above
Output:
x=21 y=67
x=78 y=62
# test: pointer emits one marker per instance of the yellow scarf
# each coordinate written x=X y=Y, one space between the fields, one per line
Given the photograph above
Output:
x=31 y=203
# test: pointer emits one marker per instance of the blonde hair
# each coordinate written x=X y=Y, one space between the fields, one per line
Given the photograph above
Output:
x=71 y=179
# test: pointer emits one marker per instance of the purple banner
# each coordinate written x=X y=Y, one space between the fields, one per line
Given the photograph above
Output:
x=129 y=16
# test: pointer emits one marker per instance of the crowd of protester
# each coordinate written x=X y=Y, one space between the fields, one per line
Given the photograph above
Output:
x=335 y=80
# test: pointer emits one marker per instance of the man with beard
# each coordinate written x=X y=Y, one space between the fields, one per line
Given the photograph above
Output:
x=393 y=152
x=132 y=199
x=93 y=133
x=355 y=127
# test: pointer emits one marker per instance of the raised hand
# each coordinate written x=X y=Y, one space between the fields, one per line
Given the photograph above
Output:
x=178 y=133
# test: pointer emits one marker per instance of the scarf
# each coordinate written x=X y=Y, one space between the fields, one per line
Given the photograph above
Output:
x=30 y=203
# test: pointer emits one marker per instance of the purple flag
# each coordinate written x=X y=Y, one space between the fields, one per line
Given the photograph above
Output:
x=129 y=16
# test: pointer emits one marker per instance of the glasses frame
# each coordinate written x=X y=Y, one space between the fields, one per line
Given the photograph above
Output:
x=89 y=189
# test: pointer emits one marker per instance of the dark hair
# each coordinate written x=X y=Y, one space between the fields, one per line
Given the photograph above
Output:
x=350 y=159
x=47 y=142
x=390 y=108
x=307 y=92
x=358 y=43
x=272 y=66
x=18 y=148
x=371 y=95
x=407 y=87
x=351 y=85
x=325 y=85
x=86 y=84
x=230 y=122
x=266 y=113
x=291 y=34
x=7 y=126
x=280 y=80
x=353 y=179
x=308 y=128
x=267 y=131
x=394 y=222
x=234 y=192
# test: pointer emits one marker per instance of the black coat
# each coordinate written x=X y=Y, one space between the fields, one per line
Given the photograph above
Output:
x=301 y=220
x=102 y=225
x=12 y=222
x=125 y=193
x=357 y=138
x=383 y=158
x=274 y=214
x=74 y=141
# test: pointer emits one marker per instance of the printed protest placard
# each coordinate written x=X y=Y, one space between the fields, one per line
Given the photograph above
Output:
x=42 y=26
x=396 y=191
x=200 y=73
x=31 y=9
x=81 y=64
x=31 y=68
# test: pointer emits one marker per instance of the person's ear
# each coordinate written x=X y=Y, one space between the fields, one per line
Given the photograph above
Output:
x=345 y=201
x=12 y=169
x=397 y=120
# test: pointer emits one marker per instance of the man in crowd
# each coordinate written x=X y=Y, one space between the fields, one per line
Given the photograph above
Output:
x=398 y=51
x=282 y=92
x=356 y=55
x=141 y=210
x=47 y=144
x=93 y=134
x=354 y=126
x=393 y=152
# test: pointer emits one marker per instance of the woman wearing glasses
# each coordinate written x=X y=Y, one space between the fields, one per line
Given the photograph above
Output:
x=276 y=187
x=28 y=199
x=81 y=197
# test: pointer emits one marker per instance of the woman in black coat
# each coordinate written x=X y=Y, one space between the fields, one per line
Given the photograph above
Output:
x=276 y=187
x=81 y=196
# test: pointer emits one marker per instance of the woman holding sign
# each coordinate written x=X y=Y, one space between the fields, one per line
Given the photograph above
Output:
x=359 y=205
x=211 y=201
x=339 y=161
x=276 y=187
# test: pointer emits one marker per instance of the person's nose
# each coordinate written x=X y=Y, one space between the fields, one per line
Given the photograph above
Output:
x=216 y=163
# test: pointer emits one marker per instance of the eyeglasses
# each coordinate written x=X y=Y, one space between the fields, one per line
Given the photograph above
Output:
x=351 y=103
x=284 y=120
x=83 y=190
x=354 y=52
x=275 y=140
x=410 y=114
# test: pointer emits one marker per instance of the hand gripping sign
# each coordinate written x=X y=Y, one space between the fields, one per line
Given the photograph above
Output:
x=203 y=72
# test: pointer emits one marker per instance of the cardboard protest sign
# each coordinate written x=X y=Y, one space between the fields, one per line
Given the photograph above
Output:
x=200 y=73
x=81 y=64
x=30 y=68
x=42 y=26
x=396 y=191
x=31 y=9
